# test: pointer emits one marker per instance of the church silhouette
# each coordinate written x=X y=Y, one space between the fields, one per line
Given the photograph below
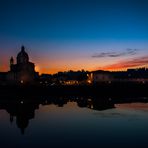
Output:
x=23 y=71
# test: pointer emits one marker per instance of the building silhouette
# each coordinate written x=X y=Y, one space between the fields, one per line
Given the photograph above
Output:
x=23 y=71
x=139 y=75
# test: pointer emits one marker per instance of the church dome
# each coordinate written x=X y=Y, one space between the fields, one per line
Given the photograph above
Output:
x=22 y=56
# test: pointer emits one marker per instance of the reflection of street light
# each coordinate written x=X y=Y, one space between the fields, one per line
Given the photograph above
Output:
x=109 y=82
x=22 y=81
x=110 y=99
x=89 y=81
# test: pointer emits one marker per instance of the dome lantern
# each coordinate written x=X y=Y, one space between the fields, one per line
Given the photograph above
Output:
x=22 y=56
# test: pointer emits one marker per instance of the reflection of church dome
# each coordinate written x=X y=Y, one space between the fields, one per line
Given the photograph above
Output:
x=22 y=56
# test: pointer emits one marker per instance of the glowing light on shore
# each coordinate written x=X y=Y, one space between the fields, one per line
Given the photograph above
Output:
x=37 y=68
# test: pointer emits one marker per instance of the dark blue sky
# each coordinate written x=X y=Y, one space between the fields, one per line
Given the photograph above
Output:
x=73 y=30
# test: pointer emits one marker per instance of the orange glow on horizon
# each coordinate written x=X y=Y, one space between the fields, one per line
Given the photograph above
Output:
x=125 y=64
x=54 y=65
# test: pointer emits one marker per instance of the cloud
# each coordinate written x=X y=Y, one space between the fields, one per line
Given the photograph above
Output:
x=115 y=54
x=136 y=62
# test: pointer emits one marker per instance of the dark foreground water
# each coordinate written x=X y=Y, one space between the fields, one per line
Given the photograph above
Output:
x=72 y=122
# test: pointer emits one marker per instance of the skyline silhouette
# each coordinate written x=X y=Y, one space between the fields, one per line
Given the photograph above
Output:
x=131 y=64
x=22 y=71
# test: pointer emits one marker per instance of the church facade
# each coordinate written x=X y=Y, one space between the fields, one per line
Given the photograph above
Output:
x=23 y=71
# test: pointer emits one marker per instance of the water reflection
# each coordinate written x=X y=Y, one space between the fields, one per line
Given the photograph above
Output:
x=24 y=109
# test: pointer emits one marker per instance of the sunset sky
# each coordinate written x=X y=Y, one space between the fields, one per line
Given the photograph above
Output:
x=61 y=35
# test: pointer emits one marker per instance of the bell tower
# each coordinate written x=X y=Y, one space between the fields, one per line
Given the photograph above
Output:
x=11 y=62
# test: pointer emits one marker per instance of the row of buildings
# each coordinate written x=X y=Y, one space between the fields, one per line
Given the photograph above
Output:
x=23 y=72
x=139 y=75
